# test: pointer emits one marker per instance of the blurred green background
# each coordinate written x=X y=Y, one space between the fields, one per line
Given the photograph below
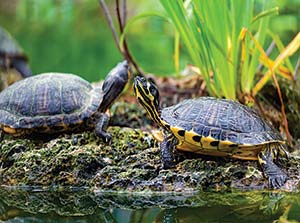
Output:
x=72 y=36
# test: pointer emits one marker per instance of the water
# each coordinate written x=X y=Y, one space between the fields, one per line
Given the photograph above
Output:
x=28 y=205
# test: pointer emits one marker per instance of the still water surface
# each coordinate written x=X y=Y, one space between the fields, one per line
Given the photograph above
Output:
x=23 y=205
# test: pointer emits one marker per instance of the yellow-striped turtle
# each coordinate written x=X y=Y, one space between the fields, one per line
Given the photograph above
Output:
x=57 y=102
x=217 y=127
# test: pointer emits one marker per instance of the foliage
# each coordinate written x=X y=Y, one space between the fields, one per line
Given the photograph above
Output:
x=62 y=36
x=214 y=35
x=46 y=12
x=73 y=37
x=211 y=32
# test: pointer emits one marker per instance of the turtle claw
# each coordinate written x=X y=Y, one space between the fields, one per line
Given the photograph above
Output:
x=101 y=127
x=106 y=137
x=276 y=182
x=168 y=164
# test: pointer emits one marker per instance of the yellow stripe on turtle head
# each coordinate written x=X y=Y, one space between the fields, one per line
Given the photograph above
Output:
x=148 y=96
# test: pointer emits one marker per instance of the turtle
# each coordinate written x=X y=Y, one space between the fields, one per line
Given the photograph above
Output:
x=216 y=127
x=12 y=57
x=52 y=103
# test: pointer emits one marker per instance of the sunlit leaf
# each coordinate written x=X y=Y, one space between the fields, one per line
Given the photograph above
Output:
x=273 y=11
x=288 y=51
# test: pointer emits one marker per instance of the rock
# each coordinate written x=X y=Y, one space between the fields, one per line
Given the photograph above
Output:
x=131 y=163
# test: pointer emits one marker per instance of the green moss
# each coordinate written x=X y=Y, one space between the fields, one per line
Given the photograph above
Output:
x=129 y=115
x=131 y=162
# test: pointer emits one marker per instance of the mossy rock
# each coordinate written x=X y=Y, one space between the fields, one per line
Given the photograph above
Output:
x=131 y=163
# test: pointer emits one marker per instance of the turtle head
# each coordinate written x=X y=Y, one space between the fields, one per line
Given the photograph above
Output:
x=147 y=95
x=114 y=84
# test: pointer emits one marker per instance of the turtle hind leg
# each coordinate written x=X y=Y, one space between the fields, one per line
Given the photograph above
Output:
x=275 y=175
x=167 y=148
x=281 y=151
x=101 y=127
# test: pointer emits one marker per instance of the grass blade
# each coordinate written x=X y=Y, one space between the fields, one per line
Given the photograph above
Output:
x=293 y=46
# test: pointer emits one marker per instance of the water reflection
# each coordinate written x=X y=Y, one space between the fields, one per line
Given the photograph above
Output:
x=19 y=205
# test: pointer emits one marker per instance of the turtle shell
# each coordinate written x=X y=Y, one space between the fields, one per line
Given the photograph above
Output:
x=49 y=101
x=208 y=124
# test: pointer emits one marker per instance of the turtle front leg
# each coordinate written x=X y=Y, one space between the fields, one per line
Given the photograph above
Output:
x=275 y=175
x=101 y=127
x=167 y=147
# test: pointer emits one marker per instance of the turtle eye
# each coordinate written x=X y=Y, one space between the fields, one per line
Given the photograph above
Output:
x=153 y=91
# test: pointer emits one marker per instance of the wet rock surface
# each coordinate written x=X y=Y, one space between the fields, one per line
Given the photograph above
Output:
x=130 y=163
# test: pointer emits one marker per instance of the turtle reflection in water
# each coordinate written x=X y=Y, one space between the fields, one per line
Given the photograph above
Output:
x=217 y=127
x=56 y=102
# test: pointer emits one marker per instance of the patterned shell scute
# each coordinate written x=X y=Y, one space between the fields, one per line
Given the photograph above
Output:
x=48 y=99
x=222 y=120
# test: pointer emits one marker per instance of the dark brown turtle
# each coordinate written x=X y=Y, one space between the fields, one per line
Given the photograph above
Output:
x=56 y=102
x=12 y=57
x=217 y=127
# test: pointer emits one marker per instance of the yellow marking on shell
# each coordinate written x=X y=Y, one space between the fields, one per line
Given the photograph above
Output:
x=189 y=138
x=246 y=156
x=206 y=142
x=244 y=153
x=226 y=143
x=9 y=130
x=225 y=148
x=175 y=131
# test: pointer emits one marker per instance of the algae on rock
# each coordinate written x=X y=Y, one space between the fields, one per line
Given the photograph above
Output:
x=130 y=163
